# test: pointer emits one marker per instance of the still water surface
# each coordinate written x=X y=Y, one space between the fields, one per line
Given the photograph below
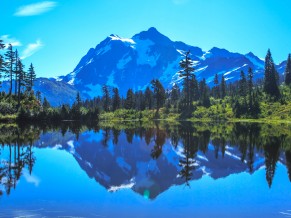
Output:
x=153 y=170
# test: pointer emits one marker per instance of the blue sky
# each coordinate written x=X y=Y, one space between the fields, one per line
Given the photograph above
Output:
x=55 y=34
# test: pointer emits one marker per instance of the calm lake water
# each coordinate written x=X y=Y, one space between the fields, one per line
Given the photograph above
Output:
x=146 y=170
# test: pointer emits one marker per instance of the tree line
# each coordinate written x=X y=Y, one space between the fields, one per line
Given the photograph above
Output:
x=244 y=95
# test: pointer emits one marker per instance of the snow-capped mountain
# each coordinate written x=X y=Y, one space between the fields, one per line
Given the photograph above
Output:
x=133 y=62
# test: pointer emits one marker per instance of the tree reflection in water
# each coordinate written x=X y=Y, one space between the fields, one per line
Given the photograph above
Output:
x=273 y=142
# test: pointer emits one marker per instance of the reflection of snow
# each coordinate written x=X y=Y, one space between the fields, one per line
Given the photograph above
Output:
x=57 y=146
x=123 y=186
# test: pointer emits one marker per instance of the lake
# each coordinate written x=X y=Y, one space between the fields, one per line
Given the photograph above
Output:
x=135 y=169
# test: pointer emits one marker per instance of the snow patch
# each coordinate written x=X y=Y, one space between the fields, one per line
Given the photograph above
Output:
x=103 y=50
x=235 y=69
x=181 y=52
x=142 y=48
x=126 y=40
x=90 y=61
x=206 y=55
x=167 y=73
x=200 y=70
x=71 y=82
x=255 y=62
x=122 y=62
x=110 y=81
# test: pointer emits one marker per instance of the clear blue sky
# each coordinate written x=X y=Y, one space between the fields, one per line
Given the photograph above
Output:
x=55 y=34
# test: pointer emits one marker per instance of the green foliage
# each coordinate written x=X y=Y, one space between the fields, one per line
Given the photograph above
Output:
x=7 y=108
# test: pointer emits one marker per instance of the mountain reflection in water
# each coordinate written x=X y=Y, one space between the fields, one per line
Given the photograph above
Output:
x=148 y=158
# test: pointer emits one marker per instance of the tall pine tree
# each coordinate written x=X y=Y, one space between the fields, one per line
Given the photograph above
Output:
x=159 y=93
x=216 y=93
x=10 y=59
x=148 y=98
x=288 y=71
x=250 y=80
x=2 y=68
x=106 y=98
x=21 y=78
x=129 y=101
x=270 y=80
x=116 y=101
x=242 y=84
x=175 y=94
x=31 y=76
x=186 y=72
x=194 y=88
x=16 y=72
x=204 y=93
x=222 y=87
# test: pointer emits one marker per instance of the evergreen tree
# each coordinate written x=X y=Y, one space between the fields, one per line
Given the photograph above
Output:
x=186 y=72
x=194 y=88
x=21 y=78
x=46 y=105
x=242 y=84
x=10 y=59
x=115 y=99
x=270 y=80
x=129 y=101
x=38 y=96
x=175 y=94
x=148 y=98
x=16 y=72
x=222 y=87
x=2 y=45
x=288 y=71
x=250 y=91
x=78 y=101
x=106 y=98
x=250 y=80
x=159 y=93
x=204 y=94
x=216 y=93
x=139 y=101
x=2 y=67
x=31 y=76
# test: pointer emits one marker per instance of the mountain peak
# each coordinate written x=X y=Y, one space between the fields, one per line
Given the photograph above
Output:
x=154 y=35
x=250 y=54
x=153 y=30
